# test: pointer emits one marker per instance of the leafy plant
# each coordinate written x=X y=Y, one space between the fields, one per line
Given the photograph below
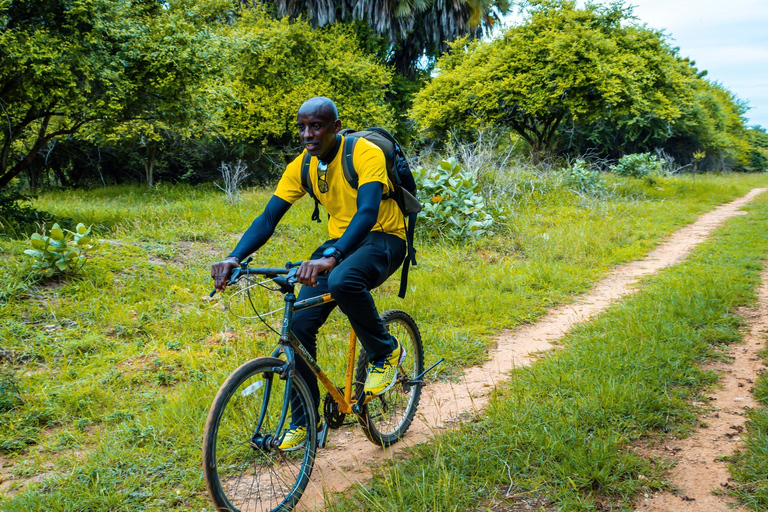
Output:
x=638 y=165
x=60 y=251
x=583 y=180
x=453 y=205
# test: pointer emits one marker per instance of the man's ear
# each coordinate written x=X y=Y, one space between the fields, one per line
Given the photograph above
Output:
x=336 y=126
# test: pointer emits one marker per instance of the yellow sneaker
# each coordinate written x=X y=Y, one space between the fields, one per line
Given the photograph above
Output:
x=382 y=374
x=294 y=439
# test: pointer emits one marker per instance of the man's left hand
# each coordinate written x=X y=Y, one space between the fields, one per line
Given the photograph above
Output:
x=309 y=270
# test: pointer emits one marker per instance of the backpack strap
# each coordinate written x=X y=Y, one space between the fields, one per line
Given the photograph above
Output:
x=410 y=256
x=346 y=161
x=306 y=184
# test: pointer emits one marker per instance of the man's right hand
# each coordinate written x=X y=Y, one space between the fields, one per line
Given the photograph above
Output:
x=220 y=272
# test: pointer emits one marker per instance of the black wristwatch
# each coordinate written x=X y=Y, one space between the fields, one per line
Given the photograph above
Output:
x=332 y=251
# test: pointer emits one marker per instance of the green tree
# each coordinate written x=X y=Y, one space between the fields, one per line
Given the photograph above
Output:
x=712 y=124
x=65 y=64
x=280 y=64
x=561 y=64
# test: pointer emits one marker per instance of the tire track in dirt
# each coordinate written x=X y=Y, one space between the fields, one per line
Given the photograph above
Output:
x=350 y=458
x=698 y=473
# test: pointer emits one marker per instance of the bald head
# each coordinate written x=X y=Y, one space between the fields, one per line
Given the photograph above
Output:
x=320 y=106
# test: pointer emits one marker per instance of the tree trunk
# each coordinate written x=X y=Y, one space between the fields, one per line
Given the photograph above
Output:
x=149 y=164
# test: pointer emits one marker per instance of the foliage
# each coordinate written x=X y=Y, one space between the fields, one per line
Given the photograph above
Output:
x=758 y=150
x=713 y=122
x=453 y=205
x=10 y=395
x=561 y=64
x=279 y=65
x=16 y=215
x=584 y=180
x=66 y=64
x=410 y=29
x=638 y=165
x=61 y=251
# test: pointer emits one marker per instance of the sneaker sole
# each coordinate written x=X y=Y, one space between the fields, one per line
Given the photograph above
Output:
x=394 y=381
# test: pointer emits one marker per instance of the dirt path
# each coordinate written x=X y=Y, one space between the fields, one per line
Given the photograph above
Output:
x=350 y=458
x=698 y=472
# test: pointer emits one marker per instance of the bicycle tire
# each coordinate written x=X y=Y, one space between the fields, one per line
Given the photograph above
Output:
x=239 y=476
x=386 y=418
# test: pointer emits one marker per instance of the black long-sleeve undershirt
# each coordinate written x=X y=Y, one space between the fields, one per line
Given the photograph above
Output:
x=262 y=228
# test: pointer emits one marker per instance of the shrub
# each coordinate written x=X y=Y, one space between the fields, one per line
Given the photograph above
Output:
x=638 y=165
x=61 y=251
x=453 y=205
x=16 y=216
x=583 y=180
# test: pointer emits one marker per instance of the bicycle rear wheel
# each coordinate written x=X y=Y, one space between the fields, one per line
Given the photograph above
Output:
x=243 y=469
x=386 y=418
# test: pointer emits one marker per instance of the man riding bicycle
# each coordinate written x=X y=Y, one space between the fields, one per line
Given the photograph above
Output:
x=366 y=245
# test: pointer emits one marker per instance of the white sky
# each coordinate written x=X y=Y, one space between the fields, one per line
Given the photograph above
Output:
x=728 y=38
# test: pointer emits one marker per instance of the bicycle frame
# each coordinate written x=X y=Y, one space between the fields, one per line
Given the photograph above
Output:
x=289 y=345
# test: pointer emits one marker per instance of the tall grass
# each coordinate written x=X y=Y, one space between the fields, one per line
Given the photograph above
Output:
x=116 y=368
x=563 y=429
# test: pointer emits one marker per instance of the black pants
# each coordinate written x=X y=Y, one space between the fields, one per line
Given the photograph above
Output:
x=350 y=285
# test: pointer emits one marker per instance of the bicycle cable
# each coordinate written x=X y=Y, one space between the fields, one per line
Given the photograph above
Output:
x=253 y=306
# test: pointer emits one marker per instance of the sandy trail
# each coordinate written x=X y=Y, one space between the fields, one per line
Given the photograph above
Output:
x=698 y=472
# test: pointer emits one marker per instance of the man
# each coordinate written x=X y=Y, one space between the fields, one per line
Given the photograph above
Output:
x=366 y=245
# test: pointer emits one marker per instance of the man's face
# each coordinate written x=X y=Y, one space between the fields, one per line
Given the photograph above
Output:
x=317 y=131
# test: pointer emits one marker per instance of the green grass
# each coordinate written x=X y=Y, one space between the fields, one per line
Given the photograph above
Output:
x=563 y=428
x=115 y=369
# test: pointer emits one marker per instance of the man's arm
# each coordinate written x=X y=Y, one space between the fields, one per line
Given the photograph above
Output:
x=368 y=202
x=257 y=235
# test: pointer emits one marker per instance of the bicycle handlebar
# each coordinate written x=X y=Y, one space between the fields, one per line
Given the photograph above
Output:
x=243 y=269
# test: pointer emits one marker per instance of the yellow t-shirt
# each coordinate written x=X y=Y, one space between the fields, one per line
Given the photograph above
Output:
x=340 y=201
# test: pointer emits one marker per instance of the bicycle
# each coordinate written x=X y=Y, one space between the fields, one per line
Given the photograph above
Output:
x=243 y=468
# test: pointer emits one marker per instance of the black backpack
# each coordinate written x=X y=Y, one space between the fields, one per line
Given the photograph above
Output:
x=399 y=172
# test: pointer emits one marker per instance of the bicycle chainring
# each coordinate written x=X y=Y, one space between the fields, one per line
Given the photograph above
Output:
x=332 y=416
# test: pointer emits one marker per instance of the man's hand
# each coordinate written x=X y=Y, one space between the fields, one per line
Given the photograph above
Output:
x=308 y=271
x=220 y=272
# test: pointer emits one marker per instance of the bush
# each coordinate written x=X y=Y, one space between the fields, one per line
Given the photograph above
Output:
x=584 y=180
x=453 y=205
x=638 y=165
x=62 y=251
x=15 y=215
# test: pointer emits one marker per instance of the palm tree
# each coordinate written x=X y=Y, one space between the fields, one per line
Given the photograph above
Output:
x=411 y=28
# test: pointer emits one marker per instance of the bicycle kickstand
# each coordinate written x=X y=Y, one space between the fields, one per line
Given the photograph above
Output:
x=417 y=381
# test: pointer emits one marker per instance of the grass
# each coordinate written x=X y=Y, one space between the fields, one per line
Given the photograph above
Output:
x=113 y=371
x=563 y=429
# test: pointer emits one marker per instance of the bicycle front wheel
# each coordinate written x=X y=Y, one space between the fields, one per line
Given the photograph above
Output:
x=243 y=469
x=386 y=418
